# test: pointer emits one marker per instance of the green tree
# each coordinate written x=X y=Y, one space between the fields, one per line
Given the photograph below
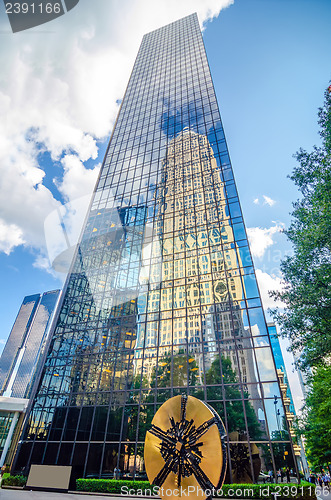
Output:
x=234 y=405
x=306 y=320
x=183 y=369
x=282 y=451
x=315 y=423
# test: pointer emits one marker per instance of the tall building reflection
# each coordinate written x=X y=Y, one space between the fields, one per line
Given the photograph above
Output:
x=196 y=280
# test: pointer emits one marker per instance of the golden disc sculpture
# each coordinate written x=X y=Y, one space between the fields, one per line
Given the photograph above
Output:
x=185 y=454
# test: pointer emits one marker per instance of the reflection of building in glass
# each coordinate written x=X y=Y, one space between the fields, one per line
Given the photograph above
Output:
x=287 y=397
x=162 y=296
x=192 y=225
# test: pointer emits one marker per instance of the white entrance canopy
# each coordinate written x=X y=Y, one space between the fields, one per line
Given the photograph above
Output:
x=13 y=404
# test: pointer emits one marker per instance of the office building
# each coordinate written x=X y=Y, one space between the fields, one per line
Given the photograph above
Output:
x=290 y=411
x=16 y=339
x=20 y=364
x=280 y=363
x=26 y=343
x=161 y=297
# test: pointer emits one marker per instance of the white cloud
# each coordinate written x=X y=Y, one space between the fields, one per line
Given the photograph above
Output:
x=43 y=262
x=62 y=229
x=2 y=344
x=268 y=201
x=269 y=282
x=77 y=180
x=10 y=237
x=262 y=238
x=58 y=91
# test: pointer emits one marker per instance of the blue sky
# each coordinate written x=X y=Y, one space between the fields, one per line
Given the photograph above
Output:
x=59 y=92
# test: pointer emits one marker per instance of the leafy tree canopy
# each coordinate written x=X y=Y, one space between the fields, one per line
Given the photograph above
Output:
x=306 y=320
x=315 y=423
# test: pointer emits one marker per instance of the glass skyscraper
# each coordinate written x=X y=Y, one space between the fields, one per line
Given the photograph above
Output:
x=279 y=362
x=298 y=445
x=26 y=344
x=17 y=338
x=161 y=298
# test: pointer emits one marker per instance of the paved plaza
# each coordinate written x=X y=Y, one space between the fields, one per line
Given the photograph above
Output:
x=42 y=495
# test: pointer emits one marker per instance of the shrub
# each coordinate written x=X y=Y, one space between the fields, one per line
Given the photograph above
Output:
x=302 y=491
x=13 y=480
x=111 y=485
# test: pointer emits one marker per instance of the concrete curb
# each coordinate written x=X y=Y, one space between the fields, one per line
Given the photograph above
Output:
x=8 y=487
x=99 y=493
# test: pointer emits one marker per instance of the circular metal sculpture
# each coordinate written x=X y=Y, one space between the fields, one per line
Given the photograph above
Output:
x=185 y=453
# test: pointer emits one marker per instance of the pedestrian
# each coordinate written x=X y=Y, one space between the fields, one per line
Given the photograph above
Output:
x=326 y=481
x=4 y=468
x=288 y=477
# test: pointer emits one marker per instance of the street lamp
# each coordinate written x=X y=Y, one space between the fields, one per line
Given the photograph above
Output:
x=277 y=411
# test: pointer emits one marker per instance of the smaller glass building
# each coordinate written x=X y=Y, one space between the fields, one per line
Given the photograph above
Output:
x=298 y=446
x=280 y=363
x=16 y=339
x=22 y=354
x=20 y=363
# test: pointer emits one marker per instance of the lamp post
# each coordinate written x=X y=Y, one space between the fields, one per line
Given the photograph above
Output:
x=277 y=411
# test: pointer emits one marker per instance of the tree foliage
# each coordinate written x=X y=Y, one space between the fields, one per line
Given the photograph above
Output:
x=235 y=414
x=315 y=423
x=306 y=320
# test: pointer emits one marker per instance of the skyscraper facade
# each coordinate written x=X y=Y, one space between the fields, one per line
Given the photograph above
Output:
x=161 y=298
x=298 y=446
x=20 y=363
x=279 y=362
x=16 y=339
x=26 y=343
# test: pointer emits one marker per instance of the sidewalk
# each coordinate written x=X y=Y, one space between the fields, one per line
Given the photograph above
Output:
x=42 y=495
x=324 y=495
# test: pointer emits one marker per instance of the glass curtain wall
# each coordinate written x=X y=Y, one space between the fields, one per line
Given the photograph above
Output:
x=34 y=346
x=16 y=339
x=162 y=296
